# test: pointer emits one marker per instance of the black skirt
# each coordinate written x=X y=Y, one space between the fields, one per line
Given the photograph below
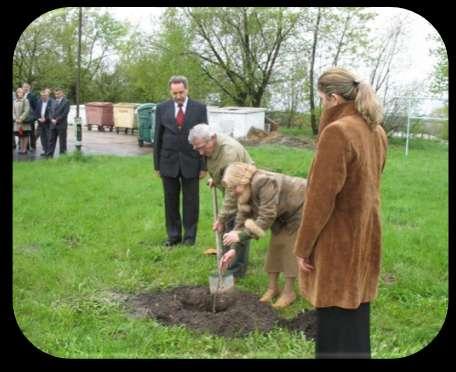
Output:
x=25 y=133
x=343 y=333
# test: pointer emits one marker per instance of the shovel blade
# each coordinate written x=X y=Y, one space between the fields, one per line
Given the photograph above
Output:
x=222 y=285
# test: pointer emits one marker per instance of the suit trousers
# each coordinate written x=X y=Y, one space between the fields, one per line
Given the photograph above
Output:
x=42 y=132
x=60 y=131
x=190 y=206
x=343 y=333
x=32 y=143
x=239 y=265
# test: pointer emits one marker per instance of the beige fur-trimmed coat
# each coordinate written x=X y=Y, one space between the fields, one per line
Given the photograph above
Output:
x=275 y=202
x=340 y=229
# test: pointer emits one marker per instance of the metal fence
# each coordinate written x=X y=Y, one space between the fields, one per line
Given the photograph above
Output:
x=422 y=117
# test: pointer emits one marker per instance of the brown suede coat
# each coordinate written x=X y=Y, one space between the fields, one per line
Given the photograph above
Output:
x=340 y=229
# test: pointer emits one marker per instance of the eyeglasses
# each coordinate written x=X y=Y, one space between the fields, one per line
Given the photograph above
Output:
x=197 y=148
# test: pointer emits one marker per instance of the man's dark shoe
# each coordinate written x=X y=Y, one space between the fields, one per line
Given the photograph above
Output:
x=189 y=242
x=171 y=242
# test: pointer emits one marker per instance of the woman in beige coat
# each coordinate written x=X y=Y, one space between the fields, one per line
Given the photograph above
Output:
x=267 y=200
x=339 y=240
x=21 y=108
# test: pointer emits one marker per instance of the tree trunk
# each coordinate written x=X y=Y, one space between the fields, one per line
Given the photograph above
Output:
x=341 y=40
x=313 y=119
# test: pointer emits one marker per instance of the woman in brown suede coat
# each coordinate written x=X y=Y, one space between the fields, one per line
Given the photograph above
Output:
x=339 y=240
x=267 y=200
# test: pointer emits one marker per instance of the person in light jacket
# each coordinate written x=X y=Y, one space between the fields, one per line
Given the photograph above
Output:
x=267 y=200
x=21 y=109
x=220 y=151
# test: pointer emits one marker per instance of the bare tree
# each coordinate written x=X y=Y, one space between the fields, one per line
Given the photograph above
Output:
x=313 y=119
x=387 y=53
x=239 y=47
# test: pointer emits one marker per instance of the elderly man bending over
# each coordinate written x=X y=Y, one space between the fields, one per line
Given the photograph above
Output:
x=220 y=151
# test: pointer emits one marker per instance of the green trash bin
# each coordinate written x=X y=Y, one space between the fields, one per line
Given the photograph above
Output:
x=146 y=122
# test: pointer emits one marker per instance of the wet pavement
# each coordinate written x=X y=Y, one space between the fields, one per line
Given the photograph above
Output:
x=94 y=142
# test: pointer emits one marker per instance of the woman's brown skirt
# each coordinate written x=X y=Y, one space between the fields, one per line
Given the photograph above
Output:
x=280 y=257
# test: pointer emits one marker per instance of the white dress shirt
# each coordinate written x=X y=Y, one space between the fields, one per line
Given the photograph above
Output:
x=184 y=107
x=43 y=108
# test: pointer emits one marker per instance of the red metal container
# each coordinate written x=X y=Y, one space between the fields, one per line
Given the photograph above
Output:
x=99 y=114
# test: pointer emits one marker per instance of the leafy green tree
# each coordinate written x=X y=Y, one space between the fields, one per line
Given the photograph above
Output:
x=439 y=83
x=162 y=56
x=47 y=51
x=238 y=48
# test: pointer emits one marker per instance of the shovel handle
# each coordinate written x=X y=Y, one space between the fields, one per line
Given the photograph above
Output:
x=218 y=239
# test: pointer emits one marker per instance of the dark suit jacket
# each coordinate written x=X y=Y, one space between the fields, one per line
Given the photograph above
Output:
x=33 y=100
x=172 y=151
x=48 y=113
x=61 y=111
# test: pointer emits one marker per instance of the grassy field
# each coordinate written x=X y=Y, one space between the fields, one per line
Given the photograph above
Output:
x=86 y=229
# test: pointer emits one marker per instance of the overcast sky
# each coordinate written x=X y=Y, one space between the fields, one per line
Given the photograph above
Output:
x=417 y=65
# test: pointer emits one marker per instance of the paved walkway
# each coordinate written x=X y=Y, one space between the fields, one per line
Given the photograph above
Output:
x=95 y=142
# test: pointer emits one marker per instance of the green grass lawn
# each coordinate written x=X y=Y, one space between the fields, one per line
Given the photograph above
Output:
x=86 y=229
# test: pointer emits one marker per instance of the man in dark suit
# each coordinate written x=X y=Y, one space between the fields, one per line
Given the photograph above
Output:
x=175 y=161
x=59 y=123
x=44 y=114
x=33 y=100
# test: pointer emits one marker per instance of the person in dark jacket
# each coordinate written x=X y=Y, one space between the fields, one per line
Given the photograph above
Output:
x=59 y=123
x=177 y=163
x=43 y=113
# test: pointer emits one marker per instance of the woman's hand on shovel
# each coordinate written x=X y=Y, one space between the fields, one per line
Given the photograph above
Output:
x=231 y=238
x=226 y=259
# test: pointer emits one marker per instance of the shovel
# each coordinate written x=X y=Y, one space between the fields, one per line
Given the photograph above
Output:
x=218 y=283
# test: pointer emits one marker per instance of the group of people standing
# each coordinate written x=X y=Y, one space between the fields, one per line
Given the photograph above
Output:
x=325 y=229
x=43 y=118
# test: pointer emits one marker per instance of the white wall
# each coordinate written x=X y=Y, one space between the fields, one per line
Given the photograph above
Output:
x=72 y=114
x=235 y=121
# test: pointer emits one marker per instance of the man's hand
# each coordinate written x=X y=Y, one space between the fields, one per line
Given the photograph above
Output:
x=217 y=226
x=231 y=238
x=305 y=264
x=41 y=120
x=226 y=259
x=54 y=121
x=157 y=172
x=202 y=174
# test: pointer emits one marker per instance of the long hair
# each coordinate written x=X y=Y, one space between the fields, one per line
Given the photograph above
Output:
x=345 y=84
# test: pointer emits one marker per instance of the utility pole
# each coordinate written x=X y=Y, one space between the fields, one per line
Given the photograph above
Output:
x=408 y=127
x=78 y=85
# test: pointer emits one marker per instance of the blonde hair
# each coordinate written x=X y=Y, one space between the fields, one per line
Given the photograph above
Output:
x=345 y=84
x=238 y=173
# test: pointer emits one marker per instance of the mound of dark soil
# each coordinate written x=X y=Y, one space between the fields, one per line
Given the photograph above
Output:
x=236 y=313
x=256 y=137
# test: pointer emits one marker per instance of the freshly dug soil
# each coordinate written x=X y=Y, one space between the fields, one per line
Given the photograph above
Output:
x=256 y=137
x=236 y=313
